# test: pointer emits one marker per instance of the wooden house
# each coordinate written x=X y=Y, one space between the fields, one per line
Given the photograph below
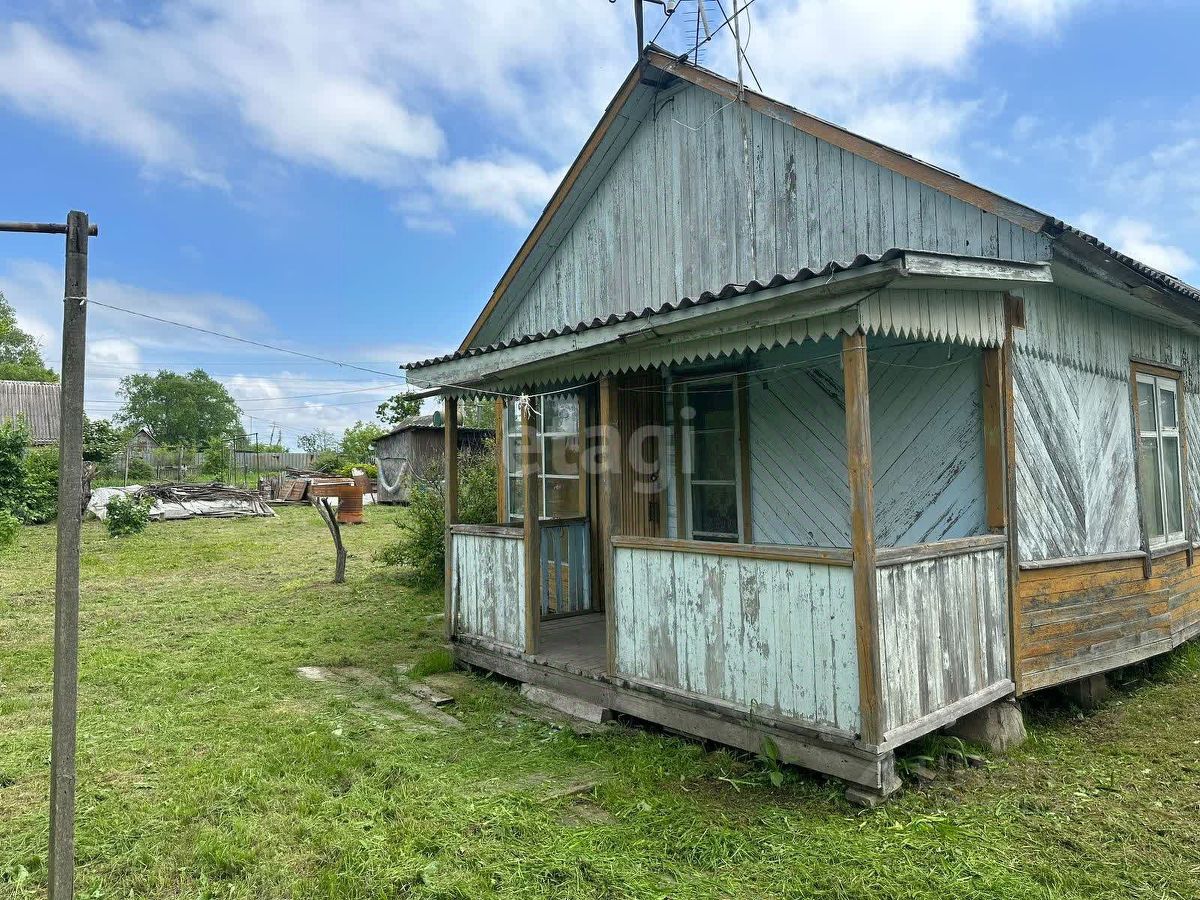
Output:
x=809 y=440
x=412 y=449
x=34 y=403
x=143 y=441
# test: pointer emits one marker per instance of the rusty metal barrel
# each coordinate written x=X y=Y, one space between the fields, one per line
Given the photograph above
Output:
x=350 y=504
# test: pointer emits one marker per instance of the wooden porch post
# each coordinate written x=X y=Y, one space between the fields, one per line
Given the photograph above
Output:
x=862 y=535
x=533 y=529
x=450 y=431
x=607 y=508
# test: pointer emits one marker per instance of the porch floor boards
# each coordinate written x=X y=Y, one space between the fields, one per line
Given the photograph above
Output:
x=575 y=643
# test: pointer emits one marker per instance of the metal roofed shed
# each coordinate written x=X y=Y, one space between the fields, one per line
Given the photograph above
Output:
x=414 y=447
x=37 y=404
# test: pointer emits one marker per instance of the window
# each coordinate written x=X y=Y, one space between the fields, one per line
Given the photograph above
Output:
x=711 y=462
x=515 y=485
x=1159 y=458
x=560 y=456
x=559 y=433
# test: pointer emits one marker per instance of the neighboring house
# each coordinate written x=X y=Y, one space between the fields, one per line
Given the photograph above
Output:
x=414 y=447
x=143 y=441
x=880 y=448
x=37 y=404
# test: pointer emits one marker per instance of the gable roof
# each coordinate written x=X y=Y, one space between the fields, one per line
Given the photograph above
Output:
x=430 y=422
x=36 y=403
x=657 y=70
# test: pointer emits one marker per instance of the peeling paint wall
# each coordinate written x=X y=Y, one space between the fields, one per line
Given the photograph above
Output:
x=775 y=637
x=489 y=587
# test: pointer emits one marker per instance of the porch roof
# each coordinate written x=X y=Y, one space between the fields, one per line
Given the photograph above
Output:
x=873 y=293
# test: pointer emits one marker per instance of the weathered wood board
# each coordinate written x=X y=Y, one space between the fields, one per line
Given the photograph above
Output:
x=943 y=632
x=664 y=216
x=1075 y=460
x=1079 y=620
x=765 y=635
x=927 y=442
x=489 y=586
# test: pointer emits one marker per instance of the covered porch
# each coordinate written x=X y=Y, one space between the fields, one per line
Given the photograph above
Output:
x=801 y=539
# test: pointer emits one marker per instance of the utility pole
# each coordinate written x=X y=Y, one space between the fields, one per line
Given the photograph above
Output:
x=70 y=522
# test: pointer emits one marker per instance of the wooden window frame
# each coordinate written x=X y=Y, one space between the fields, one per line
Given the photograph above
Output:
x=685 y=451
x=512 y=432
x=1156 y=376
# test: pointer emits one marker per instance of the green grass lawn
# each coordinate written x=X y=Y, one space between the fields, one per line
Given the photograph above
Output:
x=207 y=768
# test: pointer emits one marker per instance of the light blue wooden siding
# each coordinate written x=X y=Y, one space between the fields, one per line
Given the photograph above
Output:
x=943 y=626
x=927 y=437
x=669 y=219
x=489 y=587
x=1075 y=456
x=766 y=636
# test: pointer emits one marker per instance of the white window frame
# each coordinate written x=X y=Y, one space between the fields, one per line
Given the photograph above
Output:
x=689 y=432
x=513 y=434
x=1158 y=432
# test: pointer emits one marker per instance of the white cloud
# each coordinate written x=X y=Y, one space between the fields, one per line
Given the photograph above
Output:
x=509 y=187
x=391 y=93
x=925 y=127
x=1139 y=239
x=1039 y=17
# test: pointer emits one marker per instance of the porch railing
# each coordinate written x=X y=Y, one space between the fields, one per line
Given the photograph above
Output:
x=762 y=629
x=488 y=583
x=943 y=630
x=566 y=567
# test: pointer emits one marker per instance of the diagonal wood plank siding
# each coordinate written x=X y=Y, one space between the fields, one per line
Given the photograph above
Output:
x=1075 y=455
x=669 y=218
x=927 y=436
x=489 y=587
x=767 y=636
x=943 y=632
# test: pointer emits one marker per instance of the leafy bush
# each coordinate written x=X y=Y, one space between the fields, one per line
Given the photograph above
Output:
x=40 y=502
x=421 y=547
x=127 y=515
x=329 y=461
x=28 y=477
x=9 y=526
x=140 y=471
x=13 y=438
x=216 y=464
x=370 y=469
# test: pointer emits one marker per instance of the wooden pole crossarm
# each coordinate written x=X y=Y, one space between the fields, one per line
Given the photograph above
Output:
x=43 y=228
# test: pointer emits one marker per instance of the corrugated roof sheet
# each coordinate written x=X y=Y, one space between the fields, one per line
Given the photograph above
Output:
x=1058 y=226
x=35 y=402
x=729 y=290
x=423 y=422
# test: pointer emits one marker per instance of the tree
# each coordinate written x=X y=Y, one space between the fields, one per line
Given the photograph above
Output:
x=20 y=355
x=477 y=413
x=101 y=440
x=319 y=441
x=192 y=410
x=394 y=410
x=356 y=441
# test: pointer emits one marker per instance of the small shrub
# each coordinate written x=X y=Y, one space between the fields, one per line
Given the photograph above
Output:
x=140 y=471
x=13 y=438
x=329 y=462
x=127 y=515
x=369 y=469
x=40 y=501
x=9 y=526
x=216 y=464
x=422 y=547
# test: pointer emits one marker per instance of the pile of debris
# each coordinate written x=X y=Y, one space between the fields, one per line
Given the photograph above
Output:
x=172 y=502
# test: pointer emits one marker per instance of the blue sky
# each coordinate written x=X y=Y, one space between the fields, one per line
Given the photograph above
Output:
x=350 y=178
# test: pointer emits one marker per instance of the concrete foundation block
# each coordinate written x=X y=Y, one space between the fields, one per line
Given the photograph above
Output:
x=1087 y=693
x=998 y=726
x=566 y=704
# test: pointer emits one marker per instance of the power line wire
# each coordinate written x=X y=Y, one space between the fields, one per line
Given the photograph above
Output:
x=240 y=340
